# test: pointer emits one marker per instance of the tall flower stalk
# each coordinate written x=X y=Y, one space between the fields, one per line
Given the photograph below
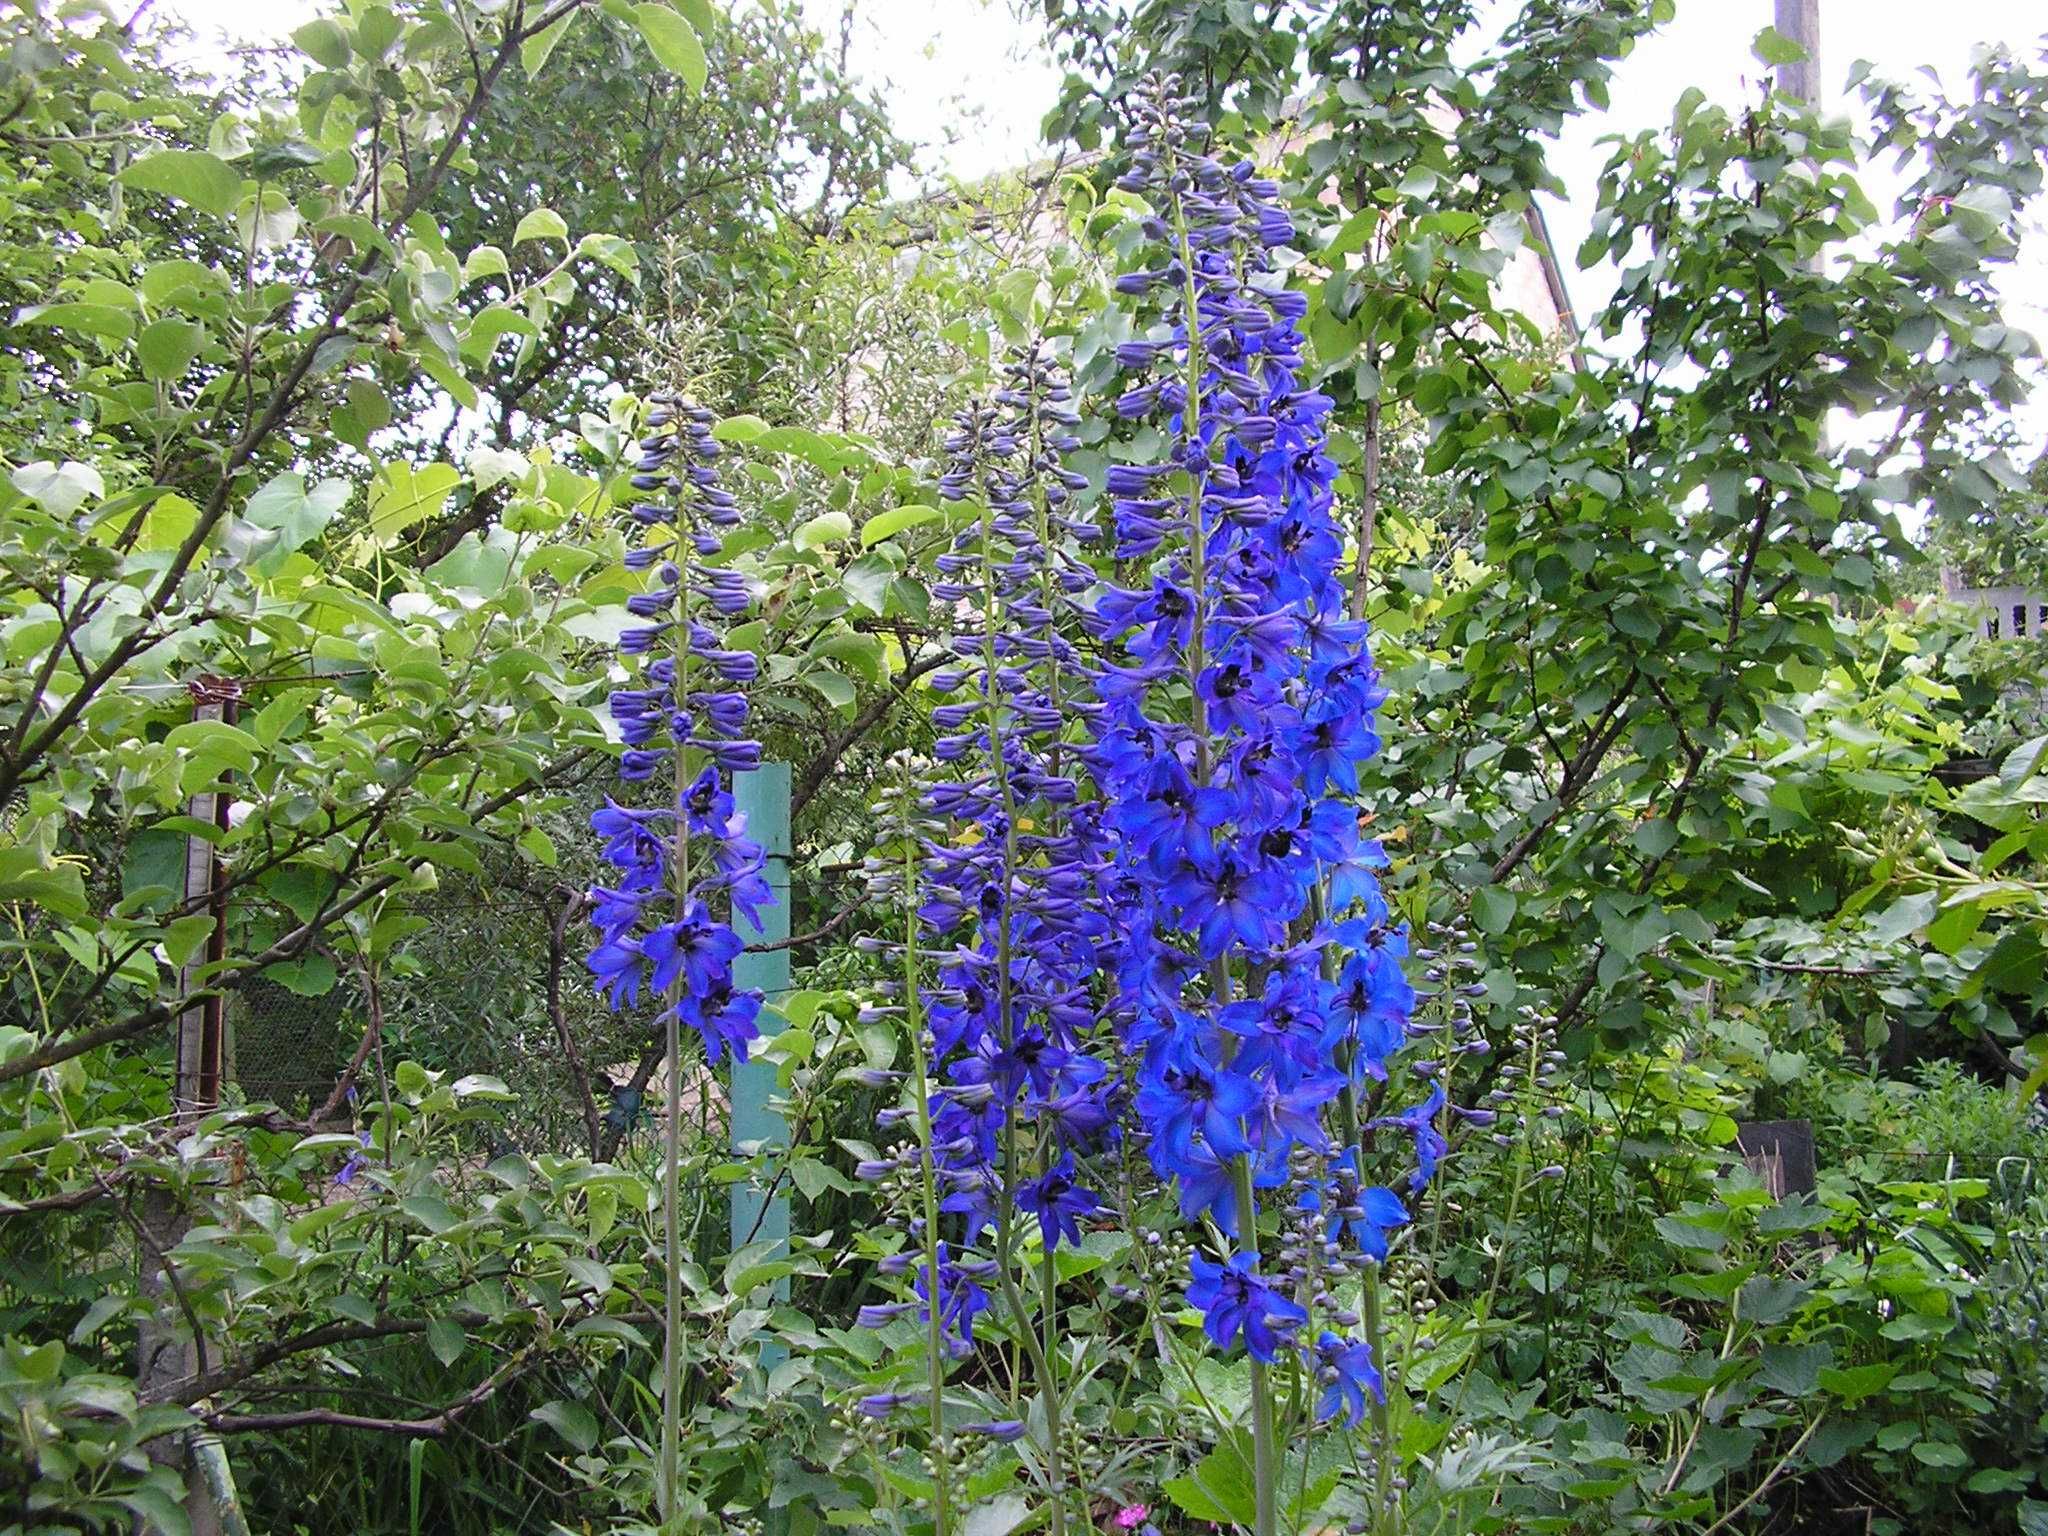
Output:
x=1151 y=909
x=662 y=929
x=894 y=881
x=1261 y=982
x=1006 y=899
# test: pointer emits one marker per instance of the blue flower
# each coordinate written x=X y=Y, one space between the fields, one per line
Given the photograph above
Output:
x=1348 y=1375
x=635 y=841
x=961 y=1300
x=618 y=967
x=728 y=1020
x=1232 y=899
x=1058 y=1203
x=1234 y=1299
x=693 y=949
x=1383 y=1211
x=879 y=1405
x=1419 y=1121
x=1196 y=1097
x=1001 y=1430
x=357 y=1161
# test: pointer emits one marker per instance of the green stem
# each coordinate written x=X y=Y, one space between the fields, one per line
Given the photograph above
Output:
x=1265 y=1471
x=1382 y=1430
x=935 y=1355
x=1041 y=1364
x=1369 y=1310
x=669 y=1483
x=1482 y=1311
x=671 y=1254
x=1048 y=1281
x=1265 y=1475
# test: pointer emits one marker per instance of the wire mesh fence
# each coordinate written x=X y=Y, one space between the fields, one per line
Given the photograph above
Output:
x=469 y=993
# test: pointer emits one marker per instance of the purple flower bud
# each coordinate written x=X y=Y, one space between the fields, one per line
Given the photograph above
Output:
x=1004 y=1430
x=879 y=1405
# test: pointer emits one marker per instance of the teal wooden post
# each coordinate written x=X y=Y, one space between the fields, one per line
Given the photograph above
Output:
x=763 y=796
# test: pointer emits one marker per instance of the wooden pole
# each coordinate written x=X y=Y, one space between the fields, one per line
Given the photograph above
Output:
x=199 y=1065
x=1799 y=20
x=202 y=1028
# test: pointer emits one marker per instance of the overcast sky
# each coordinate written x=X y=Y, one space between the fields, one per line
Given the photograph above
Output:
x=965 y=81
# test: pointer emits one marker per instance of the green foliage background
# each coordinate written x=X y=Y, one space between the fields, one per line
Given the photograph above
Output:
x=318 y=379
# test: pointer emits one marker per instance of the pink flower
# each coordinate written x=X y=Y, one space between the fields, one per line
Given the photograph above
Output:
x=1132 y=1516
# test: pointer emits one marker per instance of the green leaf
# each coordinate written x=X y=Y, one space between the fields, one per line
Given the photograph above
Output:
x=541 y=224
x=2015 y=965
x=1940 y=1453
x=297 y=514
x=215 y=742
x=164 y=519
x=307 y=976
x=1655 y=837
x=2038 y=1076
x=159 y=1507
x=269 y=161
x=1493 y=908
x=167 y=348
x=1955 y=927
x=673 y=43
x=1774 y=47
x=533 y=53
x=437 y=369
x=110 y=322
x=97 y=1316
x=190 y=175
x=325 y=42
x=867 y=582
x=154 y=861
x=1691 y=1235
x=894 y=521
x=1903 y=916
x=401 y=496
x=446 y=1339
x=59 y=488
x=1218 y=1488
x=832 y=686
x=484 y=261
x=1767 y=1299
x=1857 y=1382
x=910 y=597
x=168 y=280
x=998 y=1517
x=476 y=564
x=183 y=938
x=739 y=429
x=1793 y=1369
x=825 y=528
x=1795 y=1213
x=572 y=1421
x=56 y=887
x=378 y=30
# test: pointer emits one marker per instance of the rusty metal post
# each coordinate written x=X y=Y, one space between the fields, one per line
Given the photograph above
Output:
x=199 y=1058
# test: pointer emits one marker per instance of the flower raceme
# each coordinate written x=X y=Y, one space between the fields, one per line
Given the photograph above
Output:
x=1259 y=984
x=658 y=928
x=1151 y=917
x=1007 y=899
